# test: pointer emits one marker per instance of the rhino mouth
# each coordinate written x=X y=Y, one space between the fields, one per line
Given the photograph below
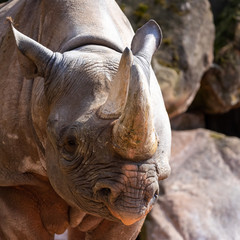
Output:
x=130 y=214
x=130 y=199
x=127 y=209
x=126 y=193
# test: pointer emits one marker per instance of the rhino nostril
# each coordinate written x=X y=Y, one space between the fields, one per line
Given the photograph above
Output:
x=154 y=198
x=103 y=194
x=151 y=198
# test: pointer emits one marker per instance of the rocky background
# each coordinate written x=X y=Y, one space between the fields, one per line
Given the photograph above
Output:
x=198 y=68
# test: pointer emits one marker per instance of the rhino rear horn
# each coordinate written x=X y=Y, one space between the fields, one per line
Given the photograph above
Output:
x=33 y=56
x=117 y=97
x=134 y=136
x=147 y=40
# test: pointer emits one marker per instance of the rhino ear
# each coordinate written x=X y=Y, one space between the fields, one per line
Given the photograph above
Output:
x=147 y=40
x=33 y=57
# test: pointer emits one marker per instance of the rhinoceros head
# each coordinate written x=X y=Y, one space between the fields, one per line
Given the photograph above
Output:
x=107 y=131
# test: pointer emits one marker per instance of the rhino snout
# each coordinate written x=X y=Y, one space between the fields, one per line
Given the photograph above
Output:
x=128 y=203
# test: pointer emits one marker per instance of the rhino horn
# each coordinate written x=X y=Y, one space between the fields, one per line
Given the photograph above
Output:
x=117 y=97
x=134 y=136
x=133 y=133
x=33 y=56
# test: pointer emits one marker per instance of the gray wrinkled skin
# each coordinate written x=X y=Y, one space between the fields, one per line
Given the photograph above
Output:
x=84 y=135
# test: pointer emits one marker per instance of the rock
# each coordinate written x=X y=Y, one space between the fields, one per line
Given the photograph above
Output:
x=188 y=120
x=220 y=86
x=187 y=46
x=168 y=79
x=200 y=200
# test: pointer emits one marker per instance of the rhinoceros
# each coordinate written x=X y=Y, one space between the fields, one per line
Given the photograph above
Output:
x=84 y=133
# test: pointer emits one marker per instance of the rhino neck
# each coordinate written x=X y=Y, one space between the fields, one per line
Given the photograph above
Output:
x=20 y=147
x=80 y=22
x=39 y=114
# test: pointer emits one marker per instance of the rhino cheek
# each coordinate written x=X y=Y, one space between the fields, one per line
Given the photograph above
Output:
x=66 y=185
x=55 y=175
x=164 y=169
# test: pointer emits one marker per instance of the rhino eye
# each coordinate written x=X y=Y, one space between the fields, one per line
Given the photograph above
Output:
x=70 y=145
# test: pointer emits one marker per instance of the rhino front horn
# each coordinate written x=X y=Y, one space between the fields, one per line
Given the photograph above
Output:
x=134 y=135
x=117 y=97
